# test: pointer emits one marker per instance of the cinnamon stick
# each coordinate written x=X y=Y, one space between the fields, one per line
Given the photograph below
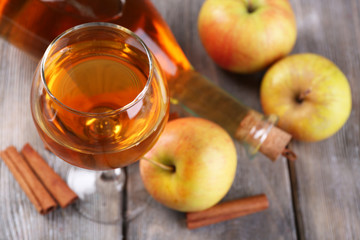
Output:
x=51 y=180
x=28 y=181
x=226 y=211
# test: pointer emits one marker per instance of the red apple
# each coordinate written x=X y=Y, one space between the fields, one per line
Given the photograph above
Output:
x=309 y=94
x=246 y=36
x=198 y=161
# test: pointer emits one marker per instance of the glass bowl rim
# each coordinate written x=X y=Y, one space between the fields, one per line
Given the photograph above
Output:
x=137 y=99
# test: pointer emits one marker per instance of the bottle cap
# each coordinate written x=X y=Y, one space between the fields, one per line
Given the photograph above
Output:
x=259 y=133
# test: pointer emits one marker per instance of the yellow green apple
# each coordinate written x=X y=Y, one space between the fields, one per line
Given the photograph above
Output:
x=246 y=36
x=309 y=93
x=192 y=165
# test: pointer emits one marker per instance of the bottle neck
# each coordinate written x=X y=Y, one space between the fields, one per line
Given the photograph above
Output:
x=202 y=98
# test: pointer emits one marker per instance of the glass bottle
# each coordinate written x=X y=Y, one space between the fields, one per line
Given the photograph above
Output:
x=32 y=24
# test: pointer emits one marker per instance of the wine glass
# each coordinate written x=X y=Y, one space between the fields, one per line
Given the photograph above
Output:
x=99 y=102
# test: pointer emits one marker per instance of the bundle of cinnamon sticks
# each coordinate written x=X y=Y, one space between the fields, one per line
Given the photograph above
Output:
x=42 y=185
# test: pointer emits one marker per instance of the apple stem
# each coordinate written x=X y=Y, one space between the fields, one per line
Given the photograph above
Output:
x=250 y=7
x=160 y=165
x=301 y=97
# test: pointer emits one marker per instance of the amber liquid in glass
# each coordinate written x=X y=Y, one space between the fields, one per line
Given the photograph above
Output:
x=93 y=83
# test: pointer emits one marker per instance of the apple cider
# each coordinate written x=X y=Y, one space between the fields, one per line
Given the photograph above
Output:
x=44 y=20
x=84 y=83
x=32 y=24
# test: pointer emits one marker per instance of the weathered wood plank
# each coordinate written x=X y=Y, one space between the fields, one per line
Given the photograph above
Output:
x=324 y=179
x=18 y=218
x=326 y=175
x=148 y=219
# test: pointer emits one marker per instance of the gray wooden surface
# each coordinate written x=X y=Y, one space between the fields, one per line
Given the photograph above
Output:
x=317 y=197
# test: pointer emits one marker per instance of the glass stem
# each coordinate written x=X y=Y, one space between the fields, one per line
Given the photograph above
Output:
x=111 y=175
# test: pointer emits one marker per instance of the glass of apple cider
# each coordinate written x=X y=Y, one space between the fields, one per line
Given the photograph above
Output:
x=99 y=101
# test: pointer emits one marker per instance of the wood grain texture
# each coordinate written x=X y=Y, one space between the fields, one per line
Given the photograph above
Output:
x=324 y=181
x=147 y=219
x=18 y=218
x=326 y=176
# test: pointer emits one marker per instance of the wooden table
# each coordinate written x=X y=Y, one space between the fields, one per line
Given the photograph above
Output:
x=316 y=197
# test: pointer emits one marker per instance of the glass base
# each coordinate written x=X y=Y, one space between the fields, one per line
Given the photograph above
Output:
x=99 y=192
